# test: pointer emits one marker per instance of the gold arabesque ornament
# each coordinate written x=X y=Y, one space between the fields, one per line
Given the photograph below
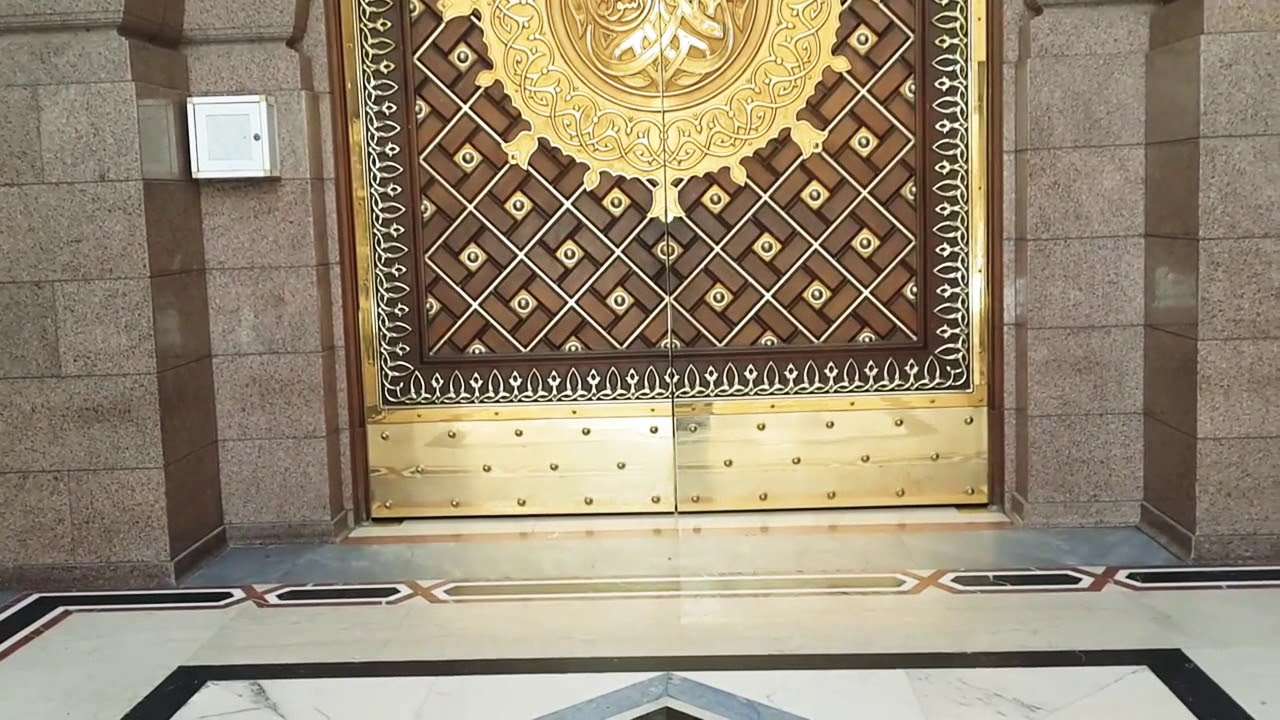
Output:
x=659 y=90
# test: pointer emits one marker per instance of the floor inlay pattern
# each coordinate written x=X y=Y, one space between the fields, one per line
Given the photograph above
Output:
x=1090 y=643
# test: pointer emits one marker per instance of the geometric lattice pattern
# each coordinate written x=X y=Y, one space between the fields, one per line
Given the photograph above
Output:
x=570 y=270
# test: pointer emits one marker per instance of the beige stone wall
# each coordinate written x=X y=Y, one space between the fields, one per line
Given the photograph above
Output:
x=1074 y=260
x=1212 y=362
x=108 y=455
x=272 y=253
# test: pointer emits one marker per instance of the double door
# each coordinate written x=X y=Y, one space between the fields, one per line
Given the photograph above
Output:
x=649 y=255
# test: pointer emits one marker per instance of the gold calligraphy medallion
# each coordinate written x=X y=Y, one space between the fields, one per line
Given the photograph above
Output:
x=660 y=90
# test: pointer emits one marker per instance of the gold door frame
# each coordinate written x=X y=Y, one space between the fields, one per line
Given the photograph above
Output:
x=901 y=403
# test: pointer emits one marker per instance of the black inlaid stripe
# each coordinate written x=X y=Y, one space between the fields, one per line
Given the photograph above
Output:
x=313 y=594
x=33 y=611
x=1203 y=697
x=1223 y=576
x=1024 y=580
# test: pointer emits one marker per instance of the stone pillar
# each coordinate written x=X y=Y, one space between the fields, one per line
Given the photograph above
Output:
x=1075 y=341
x=272 y=254
x=1212 y=361
x=108 y=460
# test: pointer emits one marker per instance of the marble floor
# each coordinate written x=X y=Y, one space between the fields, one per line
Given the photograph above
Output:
x=797 y=620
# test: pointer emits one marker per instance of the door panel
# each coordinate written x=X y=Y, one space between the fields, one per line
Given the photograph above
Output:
x=615 y=256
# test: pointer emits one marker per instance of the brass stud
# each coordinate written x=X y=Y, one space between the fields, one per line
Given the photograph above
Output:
x=897 y=422
x=385 y=436
x=831 y=424
x=817 y=294
x=866 y=458
x=452 y=434
x=386 y=504
x=519 y=432
x=695 y=498
x=586 y=431
x=814 y=194
x=589 y=500
x=419 y=469
x=764 y=496
x=520 y=502
x=728 y=463
x=454 y=503
x=487 y=468
x=766 y=246
x=693 y=428
x=760 y=426
x=523 y=303
x=554 y=466
x=653 y=429
x=864 y=142
x=472 y=257
x=900 y=492
x=934 y=457
x=622 y=466
x=795 y=461
x=831 y=494
x=655 y=499
x=968 y=420
x=969 y=491
x=865 y=243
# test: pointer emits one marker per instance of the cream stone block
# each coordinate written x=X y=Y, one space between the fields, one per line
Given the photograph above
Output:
x=1172 y=285
x=89 y=133
x=274 y=396
x=1090 y=282
x=20 y=136
x=1240 y=72
x=118 y=516
x=1085 y=458
x=1240 y=288
x=1238 y=488
x=1085 y=192
x=1239 y=186
x=275 y=481
x=1173 y=91
x=262 y=225
x=1239 y=388
x=1066 y=109
x=1076 y=371
x=73 y=231
x=105 y=327
x=28 y=330
x=269 y=310
x=1089 y=29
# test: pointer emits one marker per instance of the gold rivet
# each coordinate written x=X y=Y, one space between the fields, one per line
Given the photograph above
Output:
x=386 y=504
x=385 y=436
x=760 y=426
x=454 y=503
x=656 y=499
x=728 y=463
x=693 y=428
x=764 y=496
x=588 y=500
x=831 y=424
x=695 y=498
x=419 y=469
x=866 y=458
x=900 y=492
x=897 y=422
x=586 y=431
x=452 y=434
x=520 y=502
x=622 y=466
x=968 y=420
x=487 y=468
x=795 y=461
x=934 y=457
x=555 y=466
x=653 y=429
x=519 y=433
x=968 y=491
x=831 y=494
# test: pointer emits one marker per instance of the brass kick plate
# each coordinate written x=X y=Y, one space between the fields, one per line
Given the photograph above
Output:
x=521 y=467
x=698 y=462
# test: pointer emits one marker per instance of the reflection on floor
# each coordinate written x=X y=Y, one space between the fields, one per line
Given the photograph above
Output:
x=820 y=617
x=689 y=551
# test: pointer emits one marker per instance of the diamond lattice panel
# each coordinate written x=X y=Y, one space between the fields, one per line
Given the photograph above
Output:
x=521 y=260
x=817 y=250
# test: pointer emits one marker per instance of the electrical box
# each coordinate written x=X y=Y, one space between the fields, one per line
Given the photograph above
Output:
x=233 y=136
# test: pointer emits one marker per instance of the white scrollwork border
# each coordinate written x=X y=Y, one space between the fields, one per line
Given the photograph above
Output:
x=402 y=384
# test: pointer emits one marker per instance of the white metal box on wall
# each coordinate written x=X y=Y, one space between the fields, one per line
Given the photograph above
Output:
x=233 y=136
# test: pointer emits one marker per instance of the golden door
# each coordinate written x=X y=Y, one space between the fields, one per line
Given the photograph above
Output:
x=648 y=255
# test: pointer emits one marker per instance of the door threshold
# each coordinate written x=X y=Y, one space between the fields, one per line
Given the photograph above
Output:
x=784 y=521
